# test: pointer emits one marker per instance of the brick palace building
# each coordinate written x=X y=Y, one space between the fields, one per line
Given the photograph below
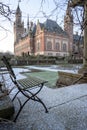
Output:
x=46 y=38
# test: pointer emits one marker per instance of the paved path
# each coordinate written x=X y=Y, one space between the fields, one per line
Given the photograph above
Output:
x=67 y=110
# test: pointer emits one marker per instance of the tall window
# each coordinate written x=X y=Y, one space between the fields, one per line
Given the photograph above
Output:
x=49 y=45
x=64 y=47
x=38 y=46
x=74 y=48
x=57 y=46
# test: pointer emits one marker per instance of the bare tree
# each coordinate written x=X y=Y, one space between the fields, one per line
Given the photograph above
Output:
x=5 y=16
x=5 y=11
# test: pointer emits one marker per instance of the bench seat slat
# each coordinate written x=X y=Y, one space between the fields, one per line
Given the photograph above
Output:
x=36 y=79
x=27 y=83
x=30 y=82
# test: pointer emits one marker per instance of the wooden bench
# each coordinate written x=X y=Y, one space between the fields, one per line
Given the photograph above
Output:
x=24 y=87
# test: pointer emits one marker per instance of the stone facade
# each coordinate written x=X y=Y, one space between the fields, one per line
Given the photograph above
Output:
x=46 y=38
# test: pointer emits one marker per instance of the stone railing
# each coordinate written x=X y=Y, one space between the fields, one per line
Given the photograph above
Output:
x=66 y=79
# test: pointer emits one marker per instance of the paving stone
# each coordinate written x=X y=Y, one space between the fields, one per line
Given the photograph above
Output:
x=8 y=125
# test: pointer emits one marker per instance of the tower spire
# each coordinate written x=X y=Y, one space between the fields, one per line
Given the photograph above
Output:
x=18 y=25
x=69 y=11
x=28 y=21
x=68 y=25
x=18 y=11
x=19 y=1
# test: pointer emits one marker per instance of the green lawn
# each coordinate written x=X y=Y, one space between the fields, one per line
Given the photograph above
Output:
x=49 y=76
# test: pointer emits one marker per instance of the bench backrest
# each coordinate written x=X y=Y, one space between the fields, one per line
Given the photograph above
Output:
x=9 y=68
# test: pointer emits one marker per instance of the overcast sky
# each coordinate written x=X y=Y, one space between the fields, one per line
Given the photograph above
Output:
x=35 y=11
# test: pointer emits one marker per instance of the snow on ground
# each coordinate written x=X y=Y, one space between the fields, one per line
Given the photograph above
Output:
x=67 y=110
x=67 y=107
x=55 y=68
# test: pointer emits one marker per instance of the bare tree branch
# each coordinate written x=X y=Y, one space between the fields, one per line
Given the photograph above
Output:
x=5 y=11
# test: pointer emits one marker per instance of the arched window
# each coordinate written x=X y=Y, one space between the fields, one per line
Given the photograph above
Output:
x=64 y=47
x=38 y=46
x=49 y=46
x=57 y=46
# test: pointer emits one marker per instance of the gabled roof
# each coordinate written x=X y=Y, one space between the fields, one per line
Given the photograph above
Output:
x=52 y=26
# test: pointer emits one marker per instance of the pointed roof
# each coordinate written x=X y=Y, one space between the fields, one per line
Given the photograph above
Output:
x=18 y=9
x=52 y=26
x=69 y=11
x=28 y=21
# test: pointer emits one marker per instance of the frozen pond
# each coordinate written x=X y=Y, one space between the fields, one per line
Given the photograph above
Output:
x=52 y=68
x=56 y=68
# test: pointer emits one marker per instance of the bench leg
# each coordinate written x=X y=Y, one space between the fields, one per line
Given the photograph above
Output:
x=40 y=101
x=32 y=97
x=20 y=109
x=15 y=95
x=35 y=98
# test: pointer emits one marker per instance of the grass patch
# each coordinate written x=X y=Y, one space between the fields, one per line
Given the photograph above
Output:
x=49 y=76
